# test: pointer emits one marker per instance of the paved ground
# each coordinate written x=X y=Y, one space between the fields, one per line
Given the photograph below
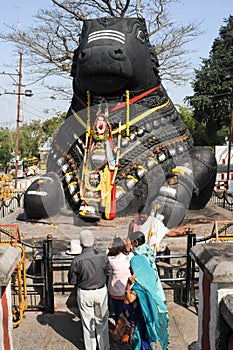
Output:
x=62 y=330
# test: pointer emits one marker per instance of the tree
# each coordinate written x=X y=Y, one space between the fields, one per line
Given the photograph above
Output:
x=34 y=134
x=48 y=46
x=29 y=139
x=50 y=126
x=31 y=136
x=197 y=129
x=6 y=147
x=213 y=87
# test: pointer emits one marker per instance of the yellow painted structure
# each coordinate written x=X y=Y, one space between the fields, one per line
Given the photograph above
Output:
x=9 y=235
x=6 y=186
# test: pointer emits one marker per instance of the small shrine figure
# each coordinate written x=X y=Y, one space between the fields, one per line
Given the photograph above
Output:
x=97 y=187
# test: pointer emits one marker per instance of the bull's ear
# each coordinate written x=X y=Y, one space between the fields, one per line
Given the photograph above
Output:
x=141 y=36
x=100 y=108
x=106 y=109
x=74 y=63
x=103 y=107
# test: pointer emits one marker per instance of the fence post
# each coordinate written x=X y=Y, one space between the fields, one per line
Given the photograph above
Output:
x=2 y=208
x=19 y=196
x=191 y=240
x=224 y=200
x=48 y=275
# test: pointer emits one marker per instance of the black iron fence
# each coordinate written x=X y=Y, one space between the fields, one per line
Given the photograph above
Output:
x=222 y=199
x=177 y=272
x=48 y=270
x=47 y=274
x=8 y=206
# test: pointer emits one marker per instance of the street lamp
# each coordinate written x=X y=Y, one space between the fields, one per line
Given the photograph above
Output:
x=28 y=93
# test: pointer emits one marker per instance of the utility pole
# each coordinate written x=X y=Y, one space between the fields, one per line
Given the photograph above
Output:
x=27 y=93
x=19 y=85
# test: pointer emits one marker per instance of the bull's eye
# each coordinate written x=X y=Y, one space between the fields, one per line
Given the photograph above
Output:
x=141 y=36
x=82 y=54
x=118 y=52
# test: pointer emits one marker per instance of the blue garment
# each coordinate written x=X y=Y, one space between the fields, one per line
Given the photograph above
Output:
x=146 y=251
x=153 y=310
x=120 y=307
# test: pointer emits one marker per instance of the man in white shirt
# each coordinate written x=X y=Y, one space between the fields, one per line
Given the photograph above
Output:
x=152 y=227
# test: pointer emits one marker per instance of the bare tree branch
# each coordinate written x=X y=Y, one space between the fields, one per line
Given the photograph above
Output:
x=69 y=10
x=49 y=44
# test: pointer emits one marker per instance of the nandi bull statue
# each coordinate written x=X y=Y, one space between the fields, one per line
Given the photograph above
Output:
x=122 y=144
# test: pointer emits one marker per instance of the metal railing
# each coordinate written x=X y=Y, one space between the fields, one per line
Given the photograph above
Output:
x=7 y=206
x=48 y=271
x=48 y=274
x=177 y=272
x=10 y=236
x=222 y=199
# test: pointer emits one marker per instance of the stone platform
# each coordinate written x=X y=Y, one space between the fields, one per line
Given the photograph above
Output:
x=61 y=330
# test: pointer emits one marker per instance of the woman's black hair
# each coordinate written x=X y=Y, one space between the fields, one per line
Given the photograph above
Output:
x=144 y=209
x=118 y=246
x=137 y=236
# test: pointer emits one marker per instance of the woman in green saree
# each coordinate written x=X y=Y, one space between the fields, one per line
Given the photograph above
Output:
x=150 y=313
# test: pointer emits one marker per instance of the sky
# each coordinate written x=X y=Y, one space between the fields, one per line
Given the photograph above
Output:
x=20 y=12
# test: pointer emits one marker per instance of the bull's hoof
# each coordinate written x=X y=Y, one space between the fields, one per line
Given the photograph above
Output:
x=89 y=212
x=178 y=232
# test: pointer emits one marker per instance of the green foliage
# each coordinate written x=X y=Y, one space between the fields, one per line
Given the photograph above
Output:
x=6 y=138
x=50 y=126
x=31 y=136
x=213 y=88
x=196 y=128
x=29 y=139
x=221 y=135
x=186 y=114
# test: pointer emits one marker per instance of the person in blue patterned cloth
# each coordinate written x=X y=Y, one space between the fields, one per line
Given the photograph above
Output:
x=150 y=315
x=140 y=247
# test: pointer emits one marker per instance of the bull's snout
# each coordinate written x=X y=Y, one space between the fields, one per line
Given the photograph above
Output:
x=103 y=68
x=105 y=53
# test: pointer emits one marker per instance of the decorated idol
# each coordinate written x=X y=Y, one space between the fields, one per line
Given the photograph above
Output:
x=123 y=144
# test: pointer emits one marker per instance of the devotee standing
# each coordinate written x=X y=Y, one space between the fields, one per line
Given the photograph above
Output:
x=150 y=313
x=88 y=272
x=140 y=247
x=119 y=258
x=153 y=228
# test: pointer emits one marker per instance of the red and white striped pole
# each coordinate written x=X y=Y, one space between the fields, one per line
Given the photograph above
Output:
x=6 y=342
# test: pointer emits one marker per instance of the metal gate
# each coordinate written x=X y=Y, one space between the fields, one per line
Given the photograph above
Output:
x=47 y=272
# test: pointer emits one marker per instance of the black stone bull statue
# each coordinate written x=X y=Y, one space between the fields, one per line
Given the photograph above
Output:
x=122 y=144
